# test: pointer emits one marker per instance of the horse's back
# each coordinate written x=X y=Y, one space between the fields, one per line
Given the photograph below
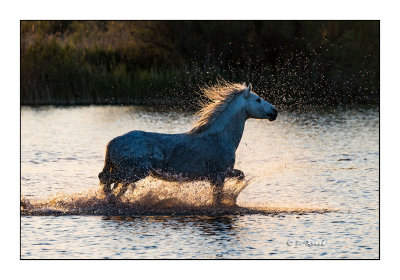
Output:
x=137 y=147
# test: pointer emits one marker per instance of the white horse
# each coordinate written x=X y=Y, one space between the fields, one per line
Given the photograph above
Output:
x=206 y=152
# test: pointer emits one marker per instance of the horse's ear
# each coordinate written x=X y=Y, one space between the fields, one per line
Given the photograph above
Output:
x=250 y=87
x=244 y=85
x=247 y=91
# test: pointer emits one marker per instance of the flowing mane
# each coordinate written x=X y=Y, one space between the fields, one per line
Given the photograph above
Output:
x=219 y=97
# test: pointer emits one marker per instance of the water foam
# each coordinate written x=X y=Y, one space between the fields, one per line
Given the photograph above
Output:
x=155 y=197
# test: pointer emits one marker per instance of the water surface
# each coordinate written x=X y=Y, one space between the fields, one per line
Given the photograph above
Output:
x=318 y=159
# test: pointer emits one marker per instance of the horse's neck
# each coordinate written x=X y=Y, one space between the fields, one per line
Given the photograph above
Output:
x=230 y=124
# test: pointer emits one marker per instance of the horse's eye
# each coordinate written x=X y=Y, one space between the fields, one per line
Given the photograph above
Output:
x=258 y=100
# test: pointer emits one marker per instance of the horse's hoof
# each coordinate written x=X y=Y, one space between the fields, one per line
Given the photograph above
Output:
x=241 y=177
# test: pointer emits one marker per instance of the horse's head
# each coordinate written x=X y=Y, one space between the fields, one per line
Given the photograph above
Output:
x=257 y=107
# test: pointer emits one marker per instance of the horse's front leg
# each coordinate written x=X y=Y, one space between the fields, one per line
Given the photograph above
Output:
x=218 y=184
x=235 y=173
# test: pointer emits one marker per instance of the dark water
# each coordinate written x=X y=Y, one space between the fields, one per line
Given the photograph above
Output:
x=304 y=160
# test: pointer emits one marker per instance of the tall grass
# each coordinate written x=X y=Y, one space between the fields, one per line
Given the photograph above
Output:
x=61 y=65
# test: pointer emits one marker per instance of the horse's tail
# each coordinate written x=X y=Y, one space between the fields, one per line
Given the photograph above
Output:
x=105 y=174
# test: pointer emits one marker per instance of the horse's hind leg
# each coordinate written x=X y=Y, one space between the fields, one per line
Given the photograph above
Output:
x=105 y=178
x=136 y=176
x=123 y=190
x=106 y=188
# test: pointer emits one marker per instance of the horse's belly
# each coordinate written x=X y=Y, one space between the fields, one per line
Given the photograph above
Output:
x=174 y=175
x=194 y=167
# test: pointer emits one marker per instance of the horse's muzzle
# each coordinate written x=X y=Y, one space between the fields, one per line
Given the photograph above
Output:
x=272 y=117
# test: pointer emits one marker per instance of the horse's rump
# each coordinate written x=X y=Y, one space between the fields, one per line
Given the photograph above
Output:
x=133 y=155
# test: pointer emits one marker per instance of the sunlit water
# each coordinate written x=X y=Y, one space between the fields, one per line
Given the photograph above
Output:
x=314 y=174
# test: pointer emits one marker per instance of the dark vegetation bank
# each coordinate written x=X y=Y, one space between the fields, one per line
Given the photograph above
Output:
x=145 y=62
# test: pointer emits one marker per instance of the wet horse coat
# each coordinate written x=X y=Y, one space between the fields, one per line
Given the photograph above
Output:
x=206 y=152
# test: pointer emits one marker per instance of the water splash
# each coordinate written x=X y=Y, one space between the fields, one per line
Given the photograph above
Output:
x=155 y=197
